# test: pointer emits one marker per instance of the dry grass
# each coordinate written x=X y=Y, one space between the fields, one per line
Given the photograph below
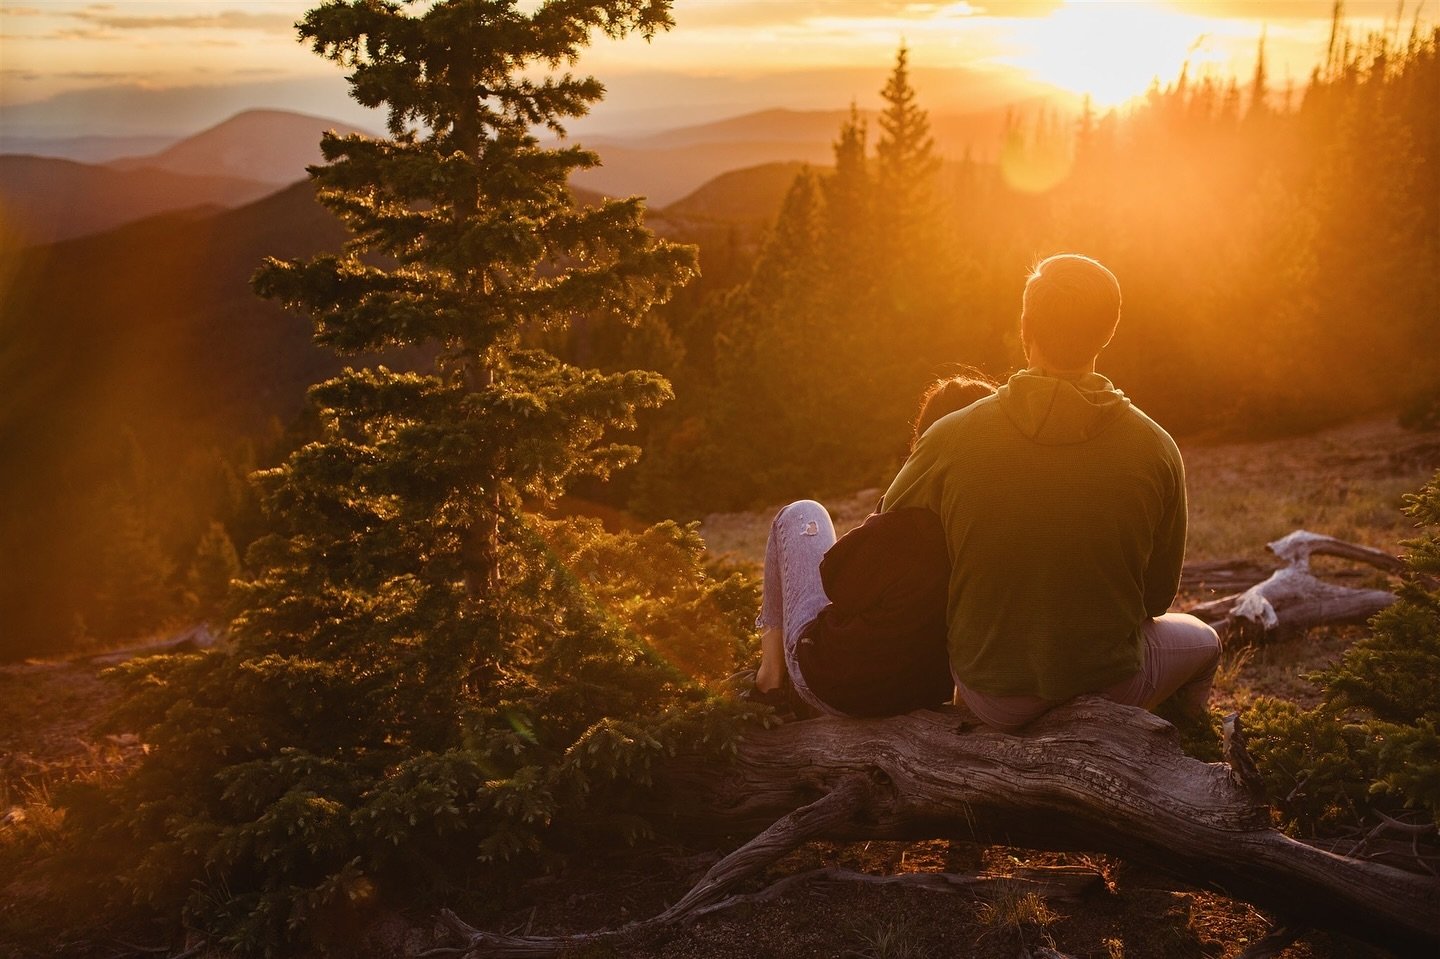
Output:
x=1013 y=909
x=889 y=939
x=1347 y=482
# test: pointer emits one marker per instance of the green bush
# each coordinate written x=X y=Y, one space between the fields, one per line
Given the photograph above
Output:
x=1372 y=744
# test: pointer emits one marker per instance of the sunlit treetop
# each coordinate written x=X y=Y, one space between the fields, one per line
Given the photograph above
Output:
x=432 y=63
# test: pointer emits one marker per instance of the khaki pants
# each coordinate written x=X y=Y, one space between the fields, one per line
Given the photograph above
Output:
x=1181 y=654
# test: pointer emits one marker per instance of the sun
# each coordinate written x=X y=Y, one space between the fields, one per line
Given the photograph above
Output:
x=1112 y=51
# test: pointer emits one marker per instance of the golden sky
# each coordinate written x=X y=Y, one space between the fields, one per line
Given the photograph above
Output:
x=1111 y=49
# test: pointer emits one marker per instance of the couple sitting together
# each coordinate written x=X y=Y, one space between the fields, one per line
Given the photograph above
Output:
x=1027 y=552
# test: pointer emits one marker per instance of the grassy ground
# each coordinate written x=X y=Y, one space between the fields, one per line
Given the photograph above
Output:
x=1347 y=482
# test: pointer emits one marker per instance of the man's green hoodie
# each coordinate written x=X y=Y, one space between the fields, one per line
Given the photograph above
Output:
x=1064 y=512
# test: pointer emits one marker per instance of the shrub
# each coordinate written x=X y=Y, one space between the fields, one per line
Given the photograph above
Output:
x=1372 y=744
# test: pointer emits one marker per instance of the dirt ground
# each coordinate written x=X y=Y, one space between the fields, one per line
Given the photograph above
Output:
x=1346 y=482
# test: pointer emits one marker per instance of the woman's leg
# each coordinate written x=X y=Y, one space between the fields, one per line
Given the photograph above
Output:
x=1181 y=654
x=792 y=594
x=772 y=659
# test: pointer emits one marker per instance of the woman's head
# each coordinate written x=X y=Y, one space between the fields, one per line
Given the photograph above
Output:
x=946 y=395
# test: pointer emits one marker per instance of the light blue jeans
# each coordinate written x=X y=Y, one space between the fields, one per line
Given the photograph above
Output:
x=792 y=594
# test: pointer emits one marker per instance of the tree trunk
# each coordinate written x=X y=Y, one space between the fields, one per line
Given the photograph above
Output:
x=1091 y=775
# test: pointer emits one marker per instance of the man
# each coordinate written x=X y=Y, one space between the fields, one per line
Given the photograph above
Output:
x=1064 y=514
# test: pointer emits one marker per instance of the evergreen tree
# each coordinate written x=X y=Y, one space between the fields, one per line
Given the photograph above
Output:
x=774 y=360
x=820 y=356
x=134 y=590
x=849 y=209
x=1259 y=104
x=423 y=677
x=215 y=565
x=905 y=168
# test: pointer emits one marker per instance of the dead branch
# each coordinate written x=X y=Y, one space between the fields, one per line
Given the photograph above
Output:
x=1293 y=599
x=1242 y=768
x=1297 y=548
x=1273 y=943
x=849 y=798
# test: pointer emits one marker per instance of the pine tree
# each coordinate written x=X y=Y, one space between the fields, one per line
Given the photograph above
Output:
x=215 y=565
x=915 y=315
x=134 y=590
x=905 y=151
x=849 y=209
x=1259 y=102
x=424 y=679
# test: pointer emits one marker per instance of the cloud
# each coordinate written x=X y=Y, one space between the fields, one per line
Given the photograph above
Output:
x=1017 y=8
x=1287 y=10
x=107 y=76
x=780 y=13
x=118 y=76
x=102 y=15
x=80 y=33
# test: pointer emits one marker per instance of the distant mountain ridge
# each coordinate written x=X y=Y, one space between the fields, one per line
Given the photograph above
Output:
x=84 y=149
x=272 y=146
x=254 y=153
x=148 y=332
x=666 y=175
x=46 y=199
x=668 y=166
x=773 y=126
x=752 y=195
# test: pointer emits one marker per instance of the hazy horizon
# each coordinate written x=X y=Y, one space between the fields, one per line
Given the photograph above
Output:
x=173 y=67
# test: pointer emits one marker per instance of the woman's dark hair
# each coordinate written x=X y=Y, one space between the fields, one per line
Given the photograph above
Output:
x=948 y=394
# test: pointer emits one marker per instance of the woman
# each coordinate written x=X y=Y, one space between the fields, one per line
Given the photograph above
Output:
x=857 y=627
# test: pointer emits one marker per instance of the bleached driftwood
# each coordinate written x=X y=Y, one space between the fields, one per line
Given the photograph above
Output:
x=1091 y=775
x=195 y=638
x=1295 y=599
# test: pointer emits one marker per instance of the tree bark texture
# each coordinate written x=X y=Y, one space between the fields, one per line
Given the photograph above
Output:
x=1091 y=775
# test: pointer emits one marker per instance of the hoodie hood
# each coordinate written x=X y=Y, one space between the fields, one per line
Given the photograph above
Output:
x=1055 y=412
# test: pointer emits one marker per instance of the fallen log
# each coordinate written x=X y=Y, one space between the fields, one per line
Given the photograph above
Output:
x=1091 y=776
x=1293 y=598
x=190 y=640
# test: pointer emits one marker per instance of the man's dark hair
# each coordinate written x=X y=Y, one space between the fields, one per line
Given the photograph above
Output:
x=1071 y=308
